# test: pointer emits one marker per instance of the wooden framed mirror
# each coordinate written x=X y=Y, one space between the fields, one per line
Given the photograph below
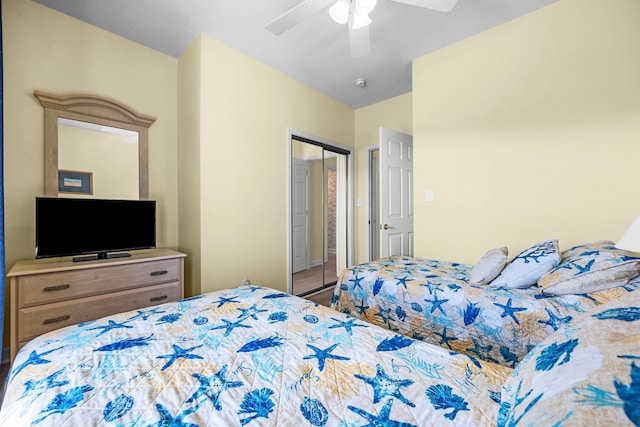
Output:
x=86 y=121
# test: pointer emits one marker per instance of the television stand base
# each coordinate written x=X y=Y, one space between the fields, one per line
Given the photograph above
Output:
x=101 y=255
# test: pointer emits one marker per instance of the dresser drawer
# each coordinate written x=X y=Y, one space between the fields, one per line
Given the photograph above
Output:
x=34 y=321
x=60 y=286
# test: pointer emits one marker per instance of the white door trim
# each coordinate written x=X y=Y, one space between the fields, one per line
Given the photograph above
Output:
x=349 y=202
x=367 y=188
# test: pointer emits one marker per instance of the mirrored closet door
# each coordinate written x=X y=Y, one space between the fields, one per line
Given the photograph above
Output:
x=319 y=215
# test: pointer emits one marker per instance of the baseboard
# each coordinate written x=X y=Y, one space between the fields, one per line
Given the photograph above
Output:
x=317 y=262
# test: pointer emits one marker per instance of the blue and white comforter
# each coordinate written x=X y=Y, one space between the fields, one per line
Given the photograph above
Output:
x=432 y=301
x=247 y=356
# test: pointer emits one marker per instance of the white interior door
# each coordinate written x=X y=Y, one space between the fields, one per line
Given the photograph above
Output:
x=300 y=214
x=396 y=193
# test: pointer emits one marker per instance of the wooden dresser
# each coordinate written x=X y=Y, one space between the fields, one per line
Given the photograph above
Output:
x=48 y=294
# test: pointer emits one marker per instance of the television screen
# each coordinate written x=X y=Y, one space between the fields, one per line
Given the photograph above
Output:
x=67 y=227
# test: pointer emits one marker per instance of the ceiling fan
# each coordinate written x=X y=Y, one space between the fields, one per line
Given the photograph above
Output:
x=355 y=13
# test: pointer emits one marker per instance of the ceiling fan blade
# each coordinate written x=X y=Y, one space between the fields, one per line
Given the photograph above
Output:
x=439 y=5
x=359 y=39
x=294 y=16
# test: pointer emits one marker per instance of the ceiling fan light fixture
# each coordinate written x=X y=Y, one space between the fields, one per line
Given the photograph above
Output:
x=360 y=21
x=339 y=12
x=364 y=7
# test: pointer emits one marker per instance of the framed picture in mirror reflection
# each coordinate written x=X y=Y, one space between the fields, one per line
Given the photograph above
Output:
x=75 y=182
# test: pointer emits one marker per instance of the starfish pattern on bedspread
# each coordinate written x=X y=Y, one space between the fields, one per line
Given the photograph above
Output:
x=385 y=386
x=212 y=387
x=222 y=300
x=252 y=312
x=110 y=326
x=229 y=326
x=509 y=310
x=323 y=355
x=436 y=304
x=179 y=353
x=347 y=325
x=382 y=419
x=145 y=314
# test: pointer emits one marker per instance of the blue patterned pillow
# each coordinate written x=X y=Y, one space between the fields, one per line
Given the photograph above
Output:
x=585 y=374
x=526 y=268
x=592 y=267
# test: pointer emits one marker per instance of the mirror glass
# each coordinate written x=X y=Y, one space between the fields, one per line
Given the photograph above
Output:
x=318 y=201
x=97 y=161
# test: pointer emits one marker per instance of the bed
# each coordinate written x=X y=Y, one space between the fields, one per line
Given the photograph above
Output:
x=249 y=356
x=433 y=301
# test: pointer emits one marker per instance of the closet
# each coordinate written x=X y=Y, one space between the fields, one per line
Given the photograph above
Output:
x=319 y=177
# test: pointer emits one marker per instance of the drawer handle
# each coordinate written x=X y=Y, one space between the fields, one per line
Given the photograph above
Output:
x=160 y=298
x=57 y=319
x=159 y=272
x=56 y=288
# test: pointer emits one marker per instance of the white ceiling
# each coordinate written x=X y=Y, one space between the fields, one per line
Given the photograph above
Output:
x=316 y=52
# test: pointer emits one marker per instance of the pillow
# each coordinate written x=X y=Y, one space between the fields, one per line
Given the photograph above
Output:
x=587 y=373
x=489 y=266
x=526 y=268
x=592 y=267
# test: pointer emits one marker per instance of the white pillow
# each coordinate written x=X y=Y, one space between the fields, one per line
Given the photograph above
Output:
x=489 y=266
x=526 y=268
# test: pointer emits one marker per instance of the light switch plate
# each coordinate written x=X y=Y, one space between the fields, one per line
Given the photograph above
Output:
x=429 y=195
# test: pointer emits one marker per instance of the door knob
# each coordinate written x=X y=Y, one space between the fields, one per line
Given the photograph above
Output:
x=386 y=226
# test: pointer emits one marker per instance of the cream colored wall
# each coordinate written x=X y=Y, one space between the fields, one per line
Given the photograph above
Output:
x=394 y=113
x=49 y=51
x=246 y=109
x=190 y=123
x=530 y=131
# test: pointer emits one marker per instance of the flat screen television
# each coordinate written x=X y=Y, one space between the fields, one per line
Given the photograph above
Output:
x=103 y=228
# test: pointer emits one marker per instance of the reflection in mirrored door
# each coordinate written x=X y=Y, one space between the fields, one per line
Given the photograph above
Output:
x=319 y=217
x=374 y=204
